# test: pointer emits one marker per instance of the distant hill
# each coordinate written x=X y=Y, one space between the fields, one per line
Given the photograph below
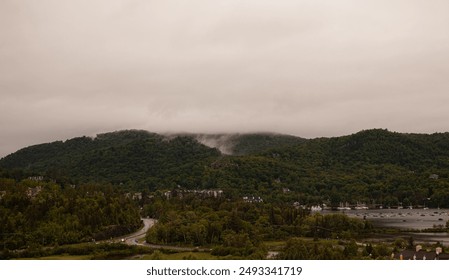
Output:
x=371 y=166
x=376 y=146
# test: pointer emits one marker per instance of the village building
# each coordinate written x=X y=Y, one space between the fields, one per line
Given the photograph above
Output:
x=134 y=196
x=199 y=193
x=33 y=192
x=252 y=199
x=36 y=178
x=419 y=254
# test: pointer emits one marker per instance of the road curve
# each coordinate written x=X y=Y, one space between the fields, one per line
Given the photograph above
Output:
x=133 y=239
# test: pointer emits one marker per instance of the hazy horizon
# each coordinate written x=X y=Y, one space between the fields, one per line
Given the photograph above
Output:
x=304 y=68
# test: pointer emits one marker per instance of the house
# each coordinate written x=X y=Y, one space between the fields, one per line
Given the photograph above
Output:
x=137 y=196
x=134 y=196
x=420 y=254
x=168 y=194
x=198 y=193
x=206 y=193
x=36 y=178
x=33 y=192
x=252 y=199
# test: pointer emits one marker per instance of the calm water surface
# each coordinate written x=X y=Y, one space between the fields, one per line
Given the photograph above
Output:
x=404 y=219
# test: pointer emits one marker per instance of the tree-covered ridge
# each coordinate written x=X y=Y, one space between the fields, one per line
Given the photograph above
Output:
x=37 y=213
x=376 y=146
x=126 y=157
x=239 y=144
x=257 y=143
x=375 y=167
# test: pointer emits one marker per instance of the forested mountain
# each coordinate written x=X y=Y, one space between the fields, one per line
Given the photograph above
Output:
x=372 y=166
x=125 y=157
x=136 y=157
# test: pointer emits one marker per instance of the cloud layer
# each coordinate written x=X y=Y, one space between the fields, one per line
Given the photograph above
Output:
x=308 y=68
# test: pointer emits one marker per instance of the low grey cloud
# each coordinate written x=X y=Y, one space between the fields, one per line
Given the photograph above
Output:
x=307 y=68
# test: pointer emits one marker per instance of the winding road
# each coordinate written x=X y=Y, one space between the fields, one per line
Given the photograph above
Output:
x=133 y=239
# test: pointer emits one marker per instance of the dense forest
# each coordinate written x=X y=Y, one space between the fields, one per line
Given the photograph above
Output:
x=375 y=167
x=237 y=228
x=133 y=158
x=36 y=213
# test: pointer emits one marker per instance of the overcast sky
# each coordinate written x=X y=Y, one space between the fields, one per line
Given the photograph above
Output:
x=308 y=68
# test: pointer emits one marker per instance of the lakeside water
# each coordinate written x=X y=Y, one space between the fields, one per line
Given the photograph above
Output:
x=407 y=219
x=403 y=218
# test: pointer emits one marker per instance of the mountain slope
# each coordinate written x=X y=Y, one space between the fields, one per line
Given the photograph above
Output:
x=375 y=146
x=119 y=157
x=246 y=144
x=375 y=166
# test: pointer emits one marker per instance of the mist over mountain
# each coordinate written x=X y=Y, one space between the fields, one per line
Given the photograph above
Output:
x=137 y=156
x=245 y=143
x=371 y=165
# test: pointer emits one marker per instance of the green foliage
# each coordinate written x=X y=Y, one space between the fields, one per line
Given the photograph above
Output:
x=237 y=229
x=247 y=144
x=300 y=249
x=375 y=167
x=109 y=251
x=43 y=214
x=132 y=158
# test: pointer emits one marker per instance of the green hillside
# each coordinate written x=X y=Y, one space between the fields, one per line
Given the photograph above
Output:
x=372 y=166
x=245 y=144
x=127 y=157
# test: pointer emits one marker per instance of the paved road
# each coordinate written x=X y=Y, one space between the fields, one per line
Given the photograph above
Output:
x=133 y=239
